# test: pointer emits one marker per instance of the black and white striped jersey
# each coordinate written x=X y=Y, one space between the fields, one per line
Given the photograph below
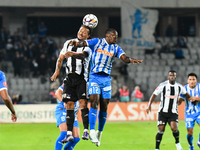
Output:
x=169 y=96
x=74 y=65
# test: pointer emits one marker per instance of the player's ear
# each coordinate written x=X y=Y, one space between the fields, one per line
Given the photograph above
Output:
x=107 y=35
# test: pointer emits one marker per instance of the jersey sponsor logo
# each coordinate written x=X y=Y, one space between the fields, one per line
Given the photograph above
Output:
x=5 y=84
x=168 y=96
x=157 y=88
x=104 y=52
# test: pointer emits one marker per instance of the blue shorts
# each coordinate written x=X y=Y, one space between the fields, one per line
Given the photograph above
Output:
x=190 y=120
x=60 y=114
x=3 y=84
x=100 y=84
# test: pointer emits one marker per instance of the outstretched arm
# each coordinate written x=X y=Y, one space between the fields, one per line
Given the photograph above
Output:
x=9 y=104
x=127 y=59
x=58 y=67
x=150 y=102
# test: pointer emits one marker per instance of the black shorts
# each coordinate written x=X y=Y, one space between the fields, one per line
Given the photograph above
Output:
x=164 y=118
x=74 y=88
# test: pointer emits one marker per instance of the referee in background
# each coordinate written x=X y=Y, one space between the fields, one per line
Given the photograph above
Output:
x=168 y=109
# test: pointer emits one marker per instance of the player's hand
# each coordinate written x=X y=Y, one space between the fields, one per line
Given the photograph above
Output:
x=74 y=43
x=148 y=109
x=65 y=105
x=55 y=75
x=14 y=117
x=68 y=54
x=133 y=61
x=192 y=99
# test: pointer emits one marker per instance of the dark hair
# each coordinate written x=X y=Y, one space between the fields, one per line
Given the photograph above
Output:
x=90 y=29
x=192 y=74
x=110 y=30
x=172 y=71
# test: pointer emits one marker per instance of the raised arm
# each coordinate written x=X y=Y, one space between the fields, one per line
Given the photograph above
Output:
x=150 y=102
x=9 y=104
x=127 y=59
x=58 y=67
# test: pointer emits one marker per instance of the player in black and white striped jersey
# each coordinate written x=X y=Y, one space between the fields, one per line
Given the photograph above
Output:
x=75 y=82
x=168 y=110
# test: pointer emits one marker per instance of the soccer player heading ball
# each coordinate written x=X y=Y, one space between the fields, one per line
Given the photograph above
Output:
x=103 y=52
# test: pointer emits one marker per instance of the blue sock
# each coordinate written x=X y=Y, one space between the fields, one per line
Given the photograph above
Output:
x=102 y=120
x=92 y=118
x=199 y=137
x=59 y=145
x=190 y=140
x=71 y=145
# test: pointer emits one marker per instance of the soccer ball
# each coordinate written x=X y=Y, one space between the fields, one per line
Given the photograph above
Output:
x=90 y=20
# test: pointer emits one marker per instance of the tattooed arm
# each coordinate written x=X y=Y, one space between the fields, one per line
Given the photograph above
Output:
x=58 y=67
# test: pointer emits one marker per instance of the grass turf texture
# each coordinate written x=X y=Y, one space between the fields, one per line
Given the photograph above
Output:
x=116 y=136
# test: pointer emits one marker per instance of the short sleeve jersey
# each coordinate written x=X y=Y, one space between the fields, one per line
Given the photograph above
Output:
x=103 y=55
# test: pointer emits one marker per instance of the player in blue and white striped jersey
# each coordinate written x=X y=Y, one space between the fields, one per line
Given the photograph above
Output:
x=192 y=108
x=60 y=114
x=103 y=52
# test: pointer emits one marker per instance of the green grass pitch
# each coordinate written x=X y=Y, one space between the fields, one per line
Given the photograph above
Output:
x=116 y=136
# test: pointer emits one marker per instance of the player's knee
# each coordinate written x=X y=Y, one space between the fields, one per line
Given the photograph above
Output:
x=94 y=101
x=70 y=105
x=161 y=132
x=83 y=103
x=174 y=129
x=104 y=104
x=190 y=132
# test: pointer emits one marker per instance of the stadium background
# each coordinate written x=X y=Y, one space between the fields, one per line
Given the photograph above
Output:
x=63 y=18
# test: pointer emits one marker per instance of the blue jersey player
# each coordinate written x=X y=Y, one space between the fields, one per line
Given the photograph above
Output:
x=192 y=107
x=103 y=52
x=60 y=114
x=6 y=97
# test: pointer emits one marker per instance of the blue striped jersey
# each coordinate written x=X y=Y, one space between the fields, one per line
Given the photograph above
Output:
x=103 y=55
x=189 y=107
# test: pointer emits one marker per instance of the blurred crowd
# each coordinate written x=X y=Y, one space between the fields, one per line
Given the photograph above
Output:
x=34 y=56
